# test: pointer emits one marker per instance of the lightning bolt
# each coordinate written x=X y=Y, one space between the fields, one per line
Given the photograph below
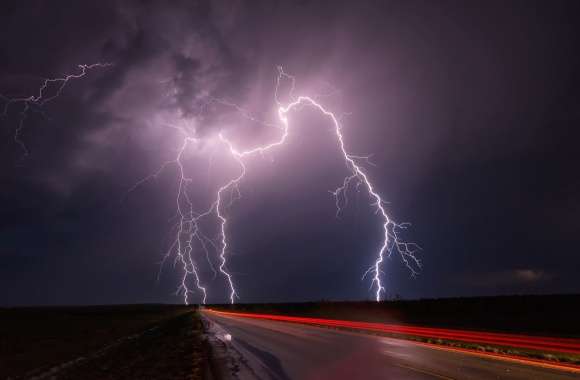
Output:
x=36 y=102
x=189 y=223
x=188 y=228
x=391 y=241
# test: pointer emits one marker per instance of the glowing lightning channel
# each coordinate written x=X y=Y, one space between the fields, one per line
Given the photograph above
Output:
x=40 y=99
x=188 y=229
x=391 y=240
x=189 y=221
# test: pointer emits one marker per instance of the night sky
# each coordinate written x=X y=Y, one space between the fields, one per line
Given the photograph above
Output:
x=470 y=110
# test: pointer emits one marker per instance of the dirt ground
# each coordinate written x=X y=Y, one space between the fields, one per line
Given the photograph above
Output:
x=109 y=342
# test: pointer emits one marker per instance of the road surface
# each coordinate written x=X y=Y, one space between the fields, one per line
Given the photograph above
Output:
x=281 y=350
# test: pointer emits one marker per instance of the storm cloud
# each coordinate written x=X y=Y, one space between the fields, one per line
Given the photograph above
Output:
x=470 y=114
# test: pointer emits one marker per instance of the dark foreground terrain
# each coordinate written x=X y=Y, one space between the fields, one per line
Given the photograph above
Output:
x=168 y=341
x=102 y=342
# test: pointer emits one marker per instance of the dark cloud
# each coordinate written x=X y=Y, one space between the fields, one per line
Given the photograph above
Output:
x=512 y=278
x=470 y=111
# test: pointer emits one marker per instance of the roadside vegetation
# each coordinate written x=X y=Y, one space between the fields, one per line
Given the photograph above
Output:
x=102 y=342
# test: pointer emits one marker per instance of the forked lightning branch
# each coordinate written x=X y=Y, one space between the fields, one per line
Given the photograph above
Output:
x=190 y=243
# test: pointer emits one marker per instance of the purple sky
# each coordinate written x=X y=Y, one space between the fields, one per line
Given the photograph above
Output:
x=469 y=110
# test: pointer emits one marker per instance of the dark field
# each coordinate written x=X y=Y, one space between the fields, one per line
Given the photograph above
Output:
x=166 y=342
x=101 y=342
x=553 y=315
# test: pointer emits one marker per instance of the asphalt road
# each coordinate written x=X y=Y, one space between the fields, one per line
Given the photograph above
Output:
x=283 y=350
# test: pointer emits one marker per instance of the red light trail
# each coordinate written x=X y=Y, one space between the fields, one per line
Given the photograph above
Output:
x=566 y=345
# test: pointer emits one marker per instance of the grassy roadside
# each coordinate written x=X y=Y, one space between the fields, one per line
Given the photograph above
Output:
x=113 y=342
x=559 y=357
x=172 y=350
